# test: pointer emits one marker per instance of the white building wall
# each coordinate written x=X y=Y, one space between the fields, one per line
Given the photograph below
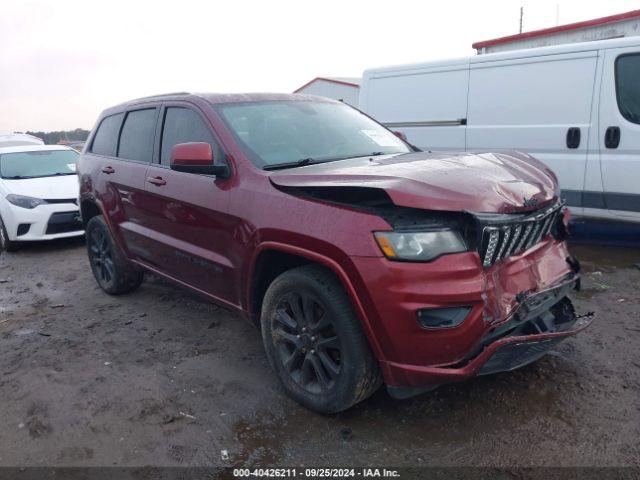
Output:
x=337 y=91
x=625 y=28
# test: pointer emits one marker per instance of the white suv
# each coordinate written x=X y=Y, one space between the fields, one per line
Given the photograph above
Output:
x=38 y=194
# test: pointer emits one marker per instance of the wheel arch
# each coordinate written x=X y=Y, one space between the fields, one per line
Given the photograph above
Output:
x=265 y=268
x=90 y=208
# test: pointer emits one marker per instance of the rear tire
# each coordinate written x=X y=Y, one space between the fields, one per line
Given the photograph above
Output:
x=113 y=272
x=6 y=244
x=314 y=341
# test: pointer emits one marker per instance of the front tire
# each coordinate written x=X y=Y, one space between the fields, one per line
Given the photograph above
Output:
x=6 y=244
x=314 y=341
x=113 y=272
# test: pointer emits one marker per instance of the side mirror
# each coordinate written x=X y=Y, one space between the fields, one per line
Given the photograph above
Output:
x=196 y=157
x=400 y=135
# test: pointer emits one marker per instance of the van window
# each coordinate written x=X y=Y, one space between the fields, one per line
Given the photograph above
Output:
x=104 y=142
x=136 y=139
x=183 y=125
x=628 y=86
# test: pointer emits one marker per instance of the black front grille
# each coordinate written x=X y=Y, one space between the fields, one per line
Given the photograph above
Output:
x=62 y=200
x=64 y=222
x=508 y=234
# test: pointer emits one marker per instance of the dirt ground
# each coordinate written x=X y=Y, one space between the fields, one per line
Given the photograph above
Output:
x=160 y=377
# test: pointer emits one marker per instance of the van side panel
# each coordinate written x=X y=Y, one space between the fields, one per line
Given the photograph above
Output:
x=429 y=104
x=530 y=104
x=620 y=109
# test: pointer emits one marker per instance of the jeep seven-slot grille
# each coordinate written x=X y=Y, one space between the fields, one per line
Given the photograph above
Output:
x=502 y=238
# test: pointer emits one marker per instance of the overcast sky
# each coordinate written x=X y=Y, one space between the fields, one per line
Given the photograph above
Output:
x=63 y=61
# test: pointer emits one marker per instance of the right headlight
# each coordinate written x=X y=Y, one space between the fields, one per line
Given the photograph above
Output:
x=24 y=202
x=419 y=246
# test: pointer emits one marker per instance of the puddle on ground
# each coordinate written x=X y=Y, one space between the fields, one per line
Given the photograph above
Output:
x=607 y=259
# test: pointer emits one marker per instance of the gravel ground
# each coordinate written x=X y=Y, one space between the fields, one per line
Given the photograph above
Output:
x=160 y=377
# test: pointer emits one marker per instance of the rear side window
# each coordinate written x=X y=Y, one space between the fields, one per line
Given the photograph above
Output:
x=136 y=139
x=183 y=125
x=106 y=138
x=628 y=86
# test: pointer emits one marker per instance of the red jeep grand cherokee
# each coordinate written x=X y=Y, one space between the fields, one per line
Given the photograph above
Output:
x=363 y=259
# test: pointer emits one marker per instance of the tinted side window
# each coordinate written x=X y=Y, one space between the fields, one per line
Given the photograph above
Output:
x=628 y=86
x=136 y=139
x=183 y=125
x=106 y=138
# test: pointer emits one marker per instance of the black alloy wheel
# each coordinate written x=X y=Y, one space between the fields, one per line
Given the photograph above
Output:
x=307 y=342
x=314 y=341
x=113 y=272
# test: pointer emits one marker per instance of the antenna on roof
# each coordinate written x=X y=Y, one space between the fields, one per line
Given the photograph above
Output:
x=521 y=15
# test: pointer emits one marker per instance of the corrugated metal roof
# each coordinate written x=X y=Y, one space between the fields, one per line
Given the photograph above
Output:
x=559 y=29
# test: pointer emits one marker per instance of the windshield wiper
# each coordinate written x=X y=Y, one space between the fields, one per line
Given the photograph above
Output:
x=298 y=163
x=311 y=161
x=16 y=177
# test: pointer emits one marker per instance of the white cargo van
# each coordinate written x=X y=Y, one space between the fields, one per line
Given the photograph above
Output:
x=575 y=107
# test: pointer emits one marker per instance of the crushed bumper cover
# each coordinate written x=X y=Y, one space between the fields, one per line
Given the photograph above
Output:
x=542 y=320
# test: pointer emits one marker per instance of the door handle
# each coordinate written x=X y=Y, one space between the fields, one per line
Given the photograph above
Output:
x=158 y=181
x=612 y=137
x=108 y=170
x=573 y=137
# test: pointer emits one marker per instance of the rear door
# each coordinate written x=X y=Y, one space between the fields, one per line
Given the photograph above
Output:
x=619 y=131
x=134 y=154
x=187 y=213
x=121 y=175
x=540 y=105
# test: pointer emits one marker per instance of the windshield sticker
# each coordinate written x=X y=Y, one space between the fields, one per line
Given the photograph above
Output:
x=71 y=166
x=382 y=139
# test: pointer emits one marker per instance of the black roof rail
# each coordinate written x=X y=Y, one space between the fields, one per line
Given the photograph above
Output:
x=158 y=96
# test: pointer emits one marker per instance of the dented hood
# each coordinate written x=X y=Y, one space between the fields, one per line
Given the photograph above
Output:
x=474 y=182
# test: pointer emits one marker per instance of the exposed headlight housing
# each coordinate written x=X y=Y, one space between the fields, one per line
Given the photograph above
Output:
x=24 y=202
x=420 y=246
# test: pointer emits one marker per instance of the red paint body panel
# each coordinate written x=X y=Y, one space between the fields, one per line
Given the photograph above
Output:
x=208 y=234
x=486 y=182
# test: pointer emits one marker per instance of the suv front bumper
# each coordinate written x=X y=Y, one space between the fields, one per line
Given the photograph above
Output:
x=541 y=322
x=518 y=309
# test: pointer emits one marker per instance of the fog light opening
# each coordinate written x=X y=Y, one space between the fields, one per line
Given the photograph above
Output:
x=449 y=317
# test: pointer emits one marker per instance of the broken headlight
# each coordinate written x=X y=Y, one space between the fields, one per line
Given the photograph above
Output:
x=420 y=246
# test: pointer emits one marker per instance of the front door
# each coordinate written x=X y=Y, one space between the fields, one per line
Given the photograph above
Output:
x=188 y=212
x=619 y=132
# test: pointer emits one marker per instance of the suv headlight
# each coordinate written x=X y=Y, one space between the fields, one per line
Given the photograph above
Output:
x=419 y=246
x=24 y=202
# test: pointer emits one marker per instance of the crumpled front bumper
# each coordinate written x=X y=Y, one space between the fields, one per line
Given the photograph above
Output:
x=541 y=321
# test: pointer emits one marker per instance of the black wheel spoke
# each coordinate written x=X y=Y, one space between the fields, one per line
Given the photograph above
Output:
x=295 y=302
x=308 y=310
x=332 y=368
x=285 y=319
x=322 y=322
x=306 y=372
x=287 y=337
x=329 y=342
x=320 y=374
x=293 y=360
x=109 y=267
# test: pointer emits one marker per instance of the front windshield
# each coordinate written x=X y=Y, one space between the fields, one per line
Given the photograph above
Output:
x=281 y=132
x=39 y=163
